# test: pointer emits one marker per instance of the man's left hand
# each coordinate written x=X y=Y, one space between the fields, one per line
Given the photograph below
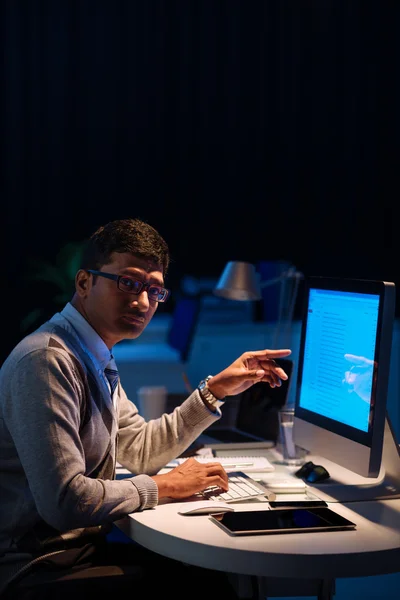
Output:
x=248 y=369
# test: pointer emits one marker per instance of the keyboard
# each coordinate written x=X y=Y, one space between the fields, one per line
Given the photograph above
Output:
x=242 y=487
x=251 y=464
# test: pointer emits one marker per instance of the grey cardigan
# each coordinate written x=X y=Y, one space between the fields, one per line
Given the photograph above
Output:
x=60 y=437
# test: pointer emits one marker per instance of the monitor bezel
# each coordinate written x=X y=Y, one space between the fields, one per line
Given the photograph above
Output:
x=374 y=434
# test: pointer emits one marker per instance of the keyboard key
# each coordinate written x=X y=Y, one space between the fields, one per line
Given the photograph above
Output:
x=241 y=487
x=249 y=463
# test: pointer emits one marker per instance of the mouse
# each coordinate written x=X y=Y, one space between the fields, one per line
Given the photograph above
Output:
x=205 y=507
x=312 y=473
x=318 y=474
x=305 y=469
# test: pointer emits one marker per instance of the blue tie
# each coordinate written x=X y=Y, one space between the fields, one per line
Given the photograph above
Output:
x=111 y=372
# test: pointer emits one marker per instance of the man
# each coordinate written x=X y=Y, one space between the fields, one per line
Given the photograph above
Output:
x=65 y=420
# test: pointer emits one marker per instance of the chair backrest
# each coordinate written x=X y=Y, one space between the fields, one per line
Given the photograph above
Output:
x=260 y=404
x=183 y=325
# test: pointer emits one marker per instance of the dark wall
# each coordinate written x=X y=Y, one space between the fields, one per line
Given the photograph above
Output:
x=240 y=129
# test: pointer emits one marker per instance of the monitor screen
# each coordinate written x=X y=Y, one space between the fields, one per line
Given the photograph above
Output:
x=343 y=371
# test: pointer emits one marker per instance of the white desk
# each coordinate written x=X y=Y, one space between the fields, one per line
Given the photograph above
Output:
x=308 y=562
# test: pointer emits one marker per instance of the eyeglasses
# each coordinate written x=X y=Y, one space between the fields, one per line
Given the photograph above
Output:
x=134 y=286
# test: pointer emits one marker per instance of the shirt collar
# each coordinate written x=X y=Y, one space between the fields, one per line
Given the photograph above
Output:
x=87 y=334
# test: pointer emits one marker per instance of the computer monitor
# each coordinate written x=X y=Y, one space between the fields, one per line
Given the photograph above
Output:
x=343 y=371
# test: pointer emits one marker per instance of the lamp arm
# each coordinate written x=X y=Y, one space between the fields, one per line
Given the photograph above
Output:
x=289 y=274
x=268 y=282
x=287 y=301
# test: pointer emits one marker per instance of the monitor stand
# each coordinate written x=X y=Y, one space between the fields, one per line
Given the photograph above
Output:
x=346 y=486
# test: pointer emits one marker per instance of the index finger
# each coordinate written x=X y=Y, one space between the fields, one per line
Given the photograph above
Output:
x=260 y=354
x=358 y=360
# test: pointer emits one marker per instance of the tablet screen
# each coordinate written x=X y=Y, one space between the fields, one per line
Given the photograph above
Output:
x=281 y=521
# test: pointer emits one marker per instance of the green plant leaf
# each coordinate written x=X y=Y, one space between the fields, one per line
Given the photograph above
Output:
x=61 y=274
x=69 y=258
x=30 y=319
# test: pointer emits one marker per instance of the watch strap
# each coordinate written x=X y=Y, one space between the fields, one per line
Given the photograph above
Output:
x=207 y=395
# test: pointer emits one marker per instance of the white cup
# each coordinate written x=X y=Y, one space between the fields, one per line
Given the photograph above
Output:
x=152 y=401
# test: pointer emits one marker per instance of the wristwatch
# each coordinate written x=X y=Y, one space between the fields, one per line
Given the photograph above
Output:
x=207 y=395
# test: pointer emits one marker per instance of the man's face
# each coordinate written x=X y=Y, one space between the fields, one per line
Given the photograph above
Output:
x=114 y=314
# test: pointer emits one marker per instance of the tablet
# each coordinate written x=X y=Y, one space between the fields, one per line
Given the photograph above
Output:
x=286 y=520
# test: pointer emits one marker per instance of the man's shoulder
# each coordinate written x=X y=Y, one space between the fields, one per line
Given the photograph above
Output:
x=46 y=337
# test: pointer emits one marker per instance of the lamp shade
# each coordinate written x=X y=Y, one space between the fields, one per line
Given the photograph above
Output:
x=239 y=281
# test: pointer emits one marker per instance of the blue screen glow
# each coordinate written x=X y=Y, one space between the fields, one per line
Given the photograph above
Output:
x=339 y=356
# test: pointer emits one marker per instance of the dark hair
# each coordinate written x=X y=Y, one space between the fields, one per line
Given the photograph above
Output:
x=125 y=235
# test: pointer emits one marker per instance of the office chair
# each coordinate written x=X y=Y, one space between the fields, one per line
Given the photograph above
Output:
x=183 y=325
x=180 y=337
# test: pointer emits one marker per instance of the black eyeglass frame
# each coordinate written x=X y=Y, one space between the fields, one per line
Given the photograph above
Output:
x=163 y=292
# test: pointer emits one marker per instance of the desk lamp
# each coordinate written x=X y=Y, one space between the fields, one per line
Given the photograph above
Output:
x=241 y=281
